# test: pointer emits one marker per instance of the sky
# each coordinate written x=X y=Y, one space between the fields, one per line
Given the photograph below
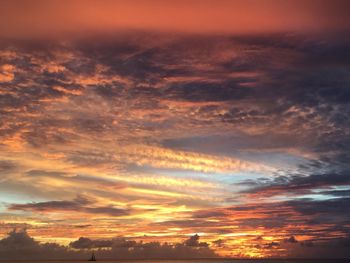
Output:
x=205 y=128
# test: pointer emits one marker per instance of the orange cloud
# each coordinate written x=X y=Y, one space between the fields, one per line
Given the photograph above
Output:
x=190 y=16
x=7 y=73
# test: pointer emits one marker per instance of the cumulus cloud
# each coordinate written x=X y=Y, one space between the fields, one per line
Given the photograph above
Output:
x=18 y=245
x=87 y=243
x=124 y=248
x=193 y=241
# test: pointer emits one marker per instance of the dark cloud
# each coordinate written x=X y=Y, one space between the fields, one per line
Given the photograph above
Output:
x=90 y=158
x=283 y=81
x=292 y=239
x=334 y=248
x=337 y=193
x=82 y=226
x=332 y=208
x=124 y=248
x=209 y=214
x=79 y=204
x=325 y=220
x=193 y=241
x=20 y=239
x=302 y=184
x=202 y=91
x=233 y=144
x=18 y=245
x=272 y=245
x=127 y=249
x=307 y=244
x=7 y=166
x=197 y=223
x=87 y=243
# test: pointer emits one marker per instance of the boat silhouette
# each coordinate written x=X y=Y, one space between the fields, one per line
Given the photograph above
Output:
x=93 y=258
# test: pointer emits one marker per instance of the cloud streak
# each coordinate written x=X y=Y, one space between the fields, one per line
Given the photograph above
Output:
x=79 y=204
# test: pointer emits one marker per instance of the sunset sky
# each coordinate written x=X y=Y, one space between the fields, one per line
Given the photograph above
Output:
x=157 y=120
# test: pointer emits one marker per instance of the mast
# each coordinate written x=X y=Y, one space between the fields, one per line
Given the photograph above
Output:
x=93 y=258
